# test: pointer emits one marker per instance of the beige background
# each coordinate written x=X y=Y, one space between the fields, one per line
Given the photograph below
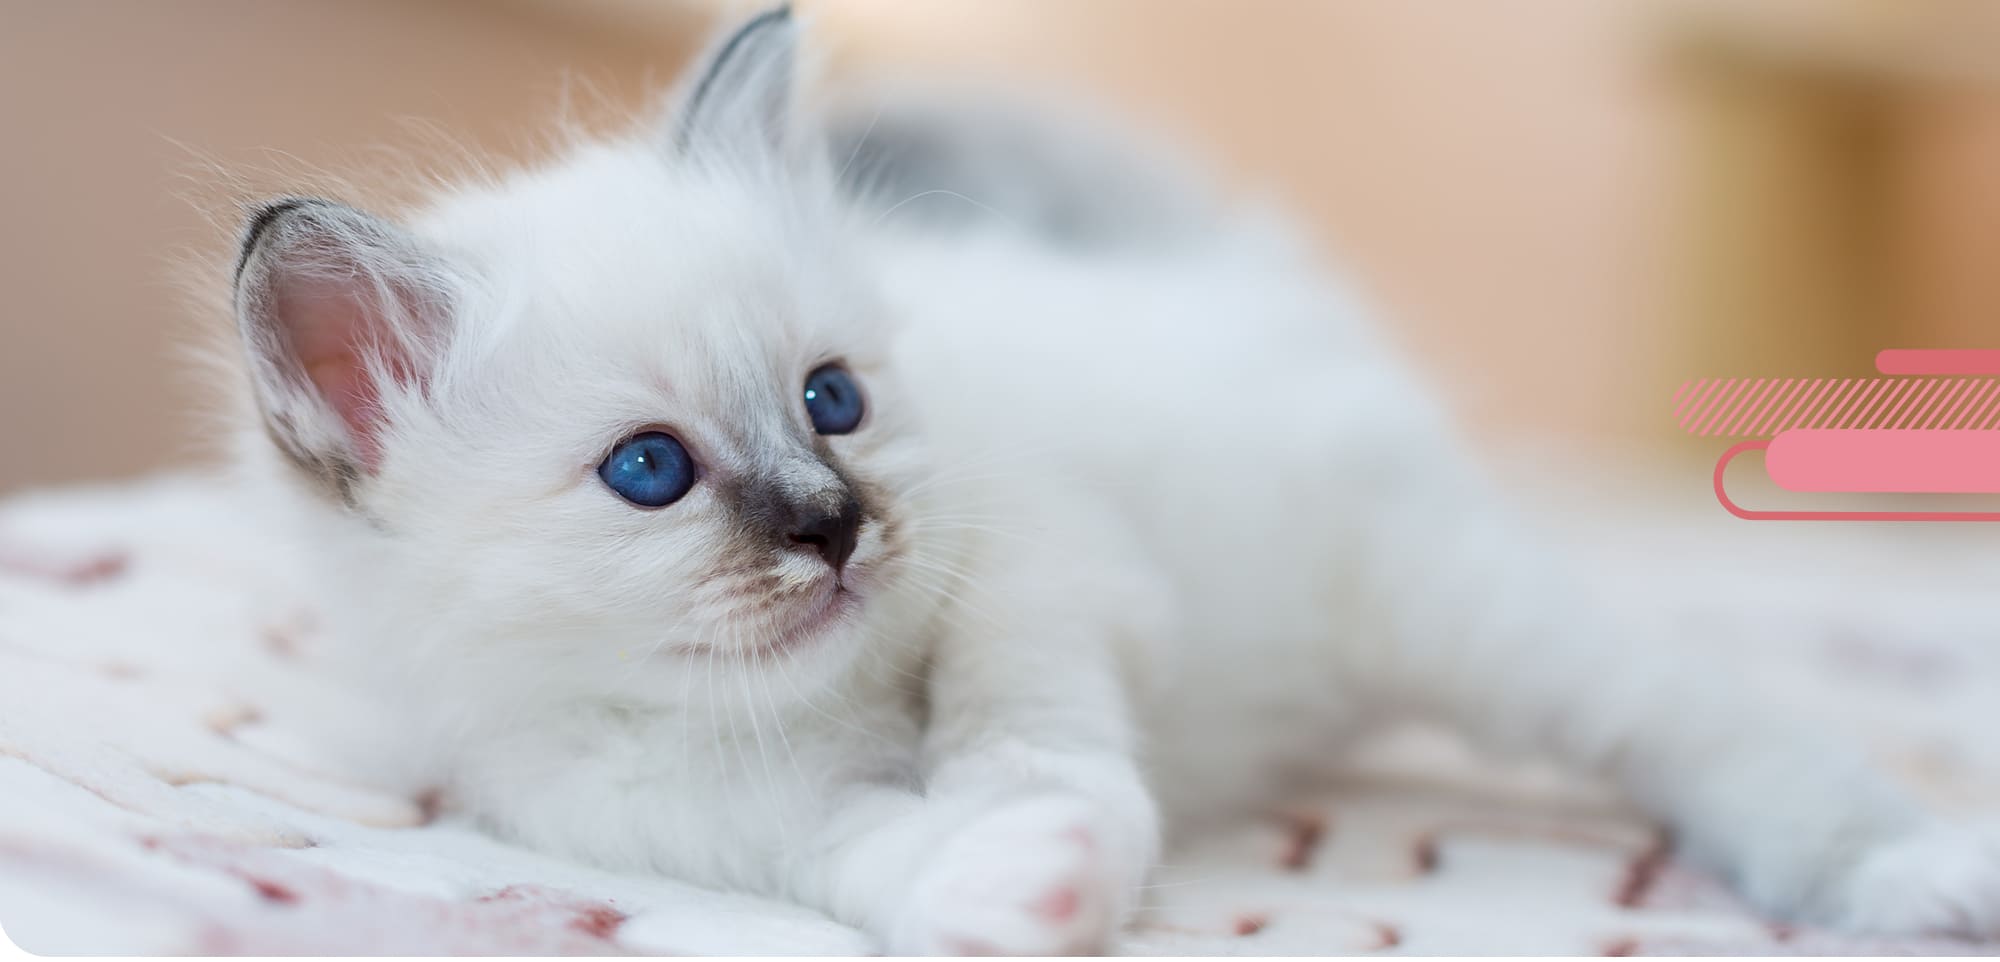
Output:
x=1564 y=206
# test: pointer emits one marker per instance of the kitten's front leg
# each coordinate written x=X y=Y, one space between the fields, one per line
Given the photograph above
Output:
x=1026 y=841
x=1054 y=862
x=1030 y=728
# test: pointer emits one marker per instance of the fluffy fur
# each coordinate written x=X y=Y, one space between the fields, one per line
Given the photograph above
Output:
x=1153 y=523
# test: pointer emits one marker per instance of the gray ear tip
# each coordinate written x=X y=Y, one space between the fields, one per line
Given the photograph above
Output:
x=749 y=72
x=776 y=22
x=777 y=16
x=263 y=217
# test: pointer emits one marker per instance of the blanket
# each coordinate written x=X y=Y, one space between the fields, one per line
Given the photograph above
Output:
x=160 y=792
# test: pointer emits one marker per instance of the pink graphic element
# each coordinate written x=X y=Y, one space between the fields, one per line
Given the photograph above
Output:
x=1786 y=392
x=1747 y=514
x=1966 y=405
x=1819 y=401
x=1855 y=398
x=1695 y=390
x=1728 y=401
x=1947 y=362
x=1914 y=462
x=1987 y=418
x=1792 y=407
x=1930 y=425
x=1905 y=395
x=1980 y=406
x=1966 y=391
x=1880 y=403
x=1764 y=407
x=1853 y=408
x=1753 y=403
x=1934 y=404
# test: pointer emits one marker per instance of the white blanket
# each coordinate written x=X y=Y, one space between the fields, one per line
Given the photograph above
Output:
x=157 y=795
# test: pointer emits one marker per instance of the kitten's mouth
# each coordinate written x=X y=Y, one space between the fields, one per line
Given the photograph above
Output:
x=828 y=607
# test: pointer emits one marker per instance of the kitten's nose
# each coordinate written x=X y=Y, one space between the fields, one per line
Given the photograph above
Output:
x=831 y=533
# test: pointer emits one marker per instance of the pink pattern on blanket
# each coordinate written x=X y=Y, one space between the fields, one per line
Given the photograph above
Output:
x=308 y=910
x=79 y=570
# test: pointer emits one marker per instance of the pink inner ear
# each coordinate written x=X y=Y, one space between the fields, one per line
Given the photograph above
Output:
x=332 y=328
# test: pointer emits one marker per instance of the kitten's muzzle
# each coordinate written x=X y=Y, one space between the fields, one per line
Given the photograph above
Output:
x=804 y=504
x=831 y=533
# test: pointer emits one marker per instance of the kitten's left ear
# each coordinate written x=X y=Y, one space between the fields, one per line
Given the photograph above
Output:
x=338 y=310
x=737 y=100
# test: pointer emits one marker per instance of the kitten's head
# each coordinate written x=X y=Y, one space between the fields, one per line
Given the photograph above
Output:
x=607 y=417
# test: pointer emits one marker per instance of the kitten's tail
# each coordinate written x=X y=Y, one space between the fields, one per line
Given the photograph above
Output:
x=959 y=161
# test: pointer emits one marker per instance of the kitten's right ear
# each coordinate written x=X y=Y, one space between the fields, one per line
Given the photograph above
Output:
x=338 y=311
x=737 y=99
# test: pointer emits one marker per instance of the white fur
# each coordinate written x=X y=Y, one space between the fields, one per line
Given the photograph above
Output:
x=1159 y=528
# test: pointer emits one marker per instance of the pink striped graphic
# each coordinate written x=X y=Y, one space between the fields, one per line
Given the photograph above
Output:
x=1880 y=406
x=1951 y=409
x=1812 y=412
x=1695 y=400
x=1767 y=407
x=1788 y=392
x=1861 y=402
x=1796 y=405
x=1933 y=403
x=1739 y=393
x=1915 y=393
x=1751 y=405
x=1976 y=406
x=1854 y=400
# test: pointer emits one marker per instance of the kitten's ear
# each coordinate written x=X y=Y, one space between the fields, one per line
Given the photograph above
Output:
x=338 y=310
x=737 y=99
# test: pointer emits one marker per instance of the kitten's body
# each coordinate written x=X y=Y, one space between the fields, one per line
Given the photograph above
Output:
x=1153 y=522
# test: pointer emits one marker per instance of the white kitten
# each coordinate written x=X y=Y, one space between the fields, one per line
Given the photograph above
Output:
x=724 y=520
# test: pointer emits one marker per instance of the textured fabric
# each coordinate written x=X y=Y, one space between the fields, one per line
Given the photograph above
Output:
x=159 y=793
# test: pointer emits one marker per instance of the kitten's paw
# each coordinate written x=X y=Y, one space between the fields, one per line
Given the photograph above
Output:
x=1036 y=877
x=1944 y=881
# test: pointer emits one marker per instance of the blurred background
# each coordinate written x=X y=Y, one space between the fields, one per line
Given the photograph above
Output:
x=1564 y=207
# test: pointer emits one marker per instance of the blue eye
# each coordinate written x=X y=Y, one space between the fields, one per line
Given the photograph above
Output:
x=651 y=470
x=833 y=400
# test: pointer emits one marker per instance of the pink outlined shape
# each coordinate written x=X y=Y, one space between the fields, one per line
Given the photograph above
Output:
x=1748 y=514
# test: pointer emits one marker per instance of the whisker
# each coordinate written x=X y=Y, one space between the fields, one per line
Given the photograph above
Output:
x=736 y=652
x=852 y=155
x=948 y=193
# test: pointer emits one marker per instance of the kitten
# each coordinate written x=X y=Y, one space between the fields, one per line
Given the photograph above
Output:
x=720 y=517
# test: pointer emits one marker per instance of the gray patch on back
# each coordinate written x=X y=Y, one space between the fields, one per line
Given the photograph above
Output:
x=983 y=163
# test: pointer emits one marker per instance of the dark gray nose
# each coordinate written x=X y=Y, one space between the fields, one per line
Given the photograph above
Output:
x=831 y=533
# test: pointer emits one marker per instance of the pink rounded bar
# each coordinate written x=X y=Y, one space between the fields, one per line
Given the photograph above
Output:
x=1963 y=363
x=1886 y=461
x=1754 y=514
